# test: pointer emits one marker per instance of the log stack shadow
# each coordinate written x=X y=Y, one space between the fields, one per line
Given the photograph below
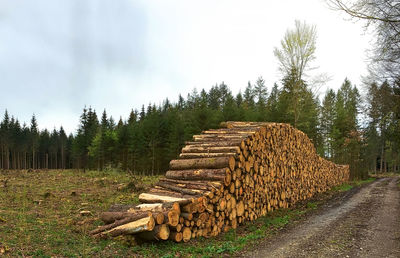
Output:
x=225 y=177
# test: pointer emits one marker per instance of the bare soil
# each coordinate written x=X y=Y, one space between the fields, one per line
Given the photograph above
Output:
x=364 y=222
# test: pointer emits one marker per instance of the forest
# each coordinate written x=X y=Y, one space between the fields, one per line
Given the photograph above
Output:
x=344 y=127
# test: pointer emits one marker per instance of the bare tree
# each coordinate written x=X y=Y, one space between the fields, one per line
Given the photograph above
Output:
x=382 y=16
x=297 y=49
x=295 y=55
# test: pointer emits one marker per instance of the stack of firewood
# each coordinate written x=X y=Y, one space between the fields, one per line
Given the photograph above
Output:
x=225 y=177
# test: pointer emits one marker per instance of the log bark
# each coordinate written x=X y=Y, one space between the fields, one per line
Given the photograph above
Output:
x=197 y=174
x=144 y=224
x=110 y=216
x=210 y=149
x=152 y=198
x=197 y=155
x=215 y=143
x=205 y=163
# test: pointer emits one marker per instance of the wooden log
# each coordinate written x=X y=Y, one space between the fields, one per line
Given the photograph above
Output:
x=188 y=216
x=215 y=143
x=160 y=232
x=197 y=155
x=110 y=217
x=214 y=184
x=173 y=218
x=210 y=149
x=191 y=186
x=213 y=138
x=152 y=198
x=197 y=174
x=121 y=207
x=160 y=217
x=186 y=234
x=161 y=191
x=176 y=236
x=144 y=224
x=190 y=208
x=125 y=220
x=240 y=208
x=202 y=163
x=181 y=190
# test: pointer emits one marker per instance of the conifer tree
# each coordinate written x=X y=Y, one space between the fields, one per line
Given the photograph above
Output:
x=327 y=117
x=34 y=140
x=261 y=94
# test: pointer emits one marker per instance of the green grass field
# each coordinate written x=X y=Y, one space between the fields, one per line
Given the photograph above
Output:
x=40 y=216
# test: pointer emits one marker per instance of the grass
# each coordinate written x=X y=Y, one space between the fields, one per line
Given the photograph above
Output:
x=347 y=186
x=40 y=211
x=40 y=217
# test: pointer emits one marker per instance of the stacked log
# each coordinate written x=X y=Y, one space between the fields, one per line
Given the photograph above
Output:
x=225 y=177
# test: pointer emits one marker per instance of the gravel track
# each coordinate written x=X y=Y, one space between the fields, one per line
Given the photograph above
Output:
x=363 y=223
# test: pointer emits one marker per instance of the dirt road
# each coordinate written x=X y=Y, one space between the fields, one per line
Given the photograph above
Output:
x=363 y=224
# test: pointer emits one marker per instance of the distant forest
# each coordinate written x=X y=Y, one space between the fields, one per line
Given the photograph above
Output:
x=344 y=128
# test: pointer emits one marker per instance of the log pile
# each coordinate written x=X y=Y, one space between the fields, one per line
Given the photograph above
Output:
x=225 y=177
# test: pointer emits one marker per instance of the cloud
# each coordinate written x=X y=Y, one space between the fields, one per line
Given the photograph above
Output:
x=57 y=56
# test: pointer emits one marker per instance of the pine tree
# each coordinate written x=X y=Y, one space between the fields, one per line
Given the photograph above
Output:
x=63 y=148
x=34 y=139
x=298 y=106
x=260 y=92
x=346 y=134
x=249 y=103
x=86 y=133
x=272 y=105
x=5 y=141
x=327 y=116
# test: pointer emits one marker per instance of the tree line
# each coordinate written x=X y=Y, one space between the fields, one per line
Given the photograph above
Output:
x=343 y=128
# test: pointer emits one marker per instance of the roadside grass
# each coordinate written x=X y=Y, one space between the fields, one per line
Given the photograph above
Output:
x=40 y=217
x=349 y=185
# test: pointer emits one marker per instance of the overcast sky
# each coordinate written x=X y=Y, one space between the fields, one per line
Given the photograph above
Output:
x=58 y=56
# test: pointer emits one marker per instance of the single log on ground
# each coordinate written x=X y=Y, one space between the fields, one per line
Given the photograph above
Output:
x=120 y=222
x=109 y=216
x=144 y=224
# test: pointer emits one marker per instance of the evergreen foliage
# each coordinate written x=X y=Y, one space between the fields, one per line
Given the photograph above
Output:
x=149 y=139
